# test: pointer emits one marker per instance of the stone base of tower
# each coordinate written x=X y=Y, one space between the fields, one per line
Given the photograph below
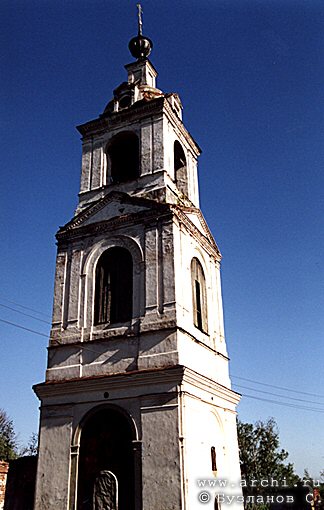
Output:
x=169 y=435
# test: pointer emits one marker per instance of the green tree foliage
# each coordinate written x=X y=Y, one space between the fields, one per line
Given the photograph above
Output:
x=262 y=459
x=8 y=440
x=31 y=448
x=322 y=485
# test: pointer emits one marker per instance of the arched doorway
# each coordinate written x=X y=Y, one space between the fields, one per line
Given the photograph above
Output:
x=106 y=445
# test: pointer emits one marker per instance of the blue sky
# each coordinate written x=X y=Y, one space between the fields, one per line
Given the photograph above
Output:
x=251 y=79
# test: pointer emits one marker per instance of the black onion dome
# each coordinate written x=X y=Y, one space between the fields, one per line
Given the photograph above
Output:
x=140 y=47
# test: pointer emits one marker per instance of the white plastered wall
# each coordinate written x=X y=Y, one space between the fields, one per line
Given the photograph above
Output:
x=205 y=353
x=207 y=425
x=52 y=487
x=170 y=135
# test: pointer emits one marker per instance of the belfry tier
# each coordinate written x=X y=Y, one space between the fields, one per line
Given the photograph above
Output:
x=138 y=213
x=139 y=145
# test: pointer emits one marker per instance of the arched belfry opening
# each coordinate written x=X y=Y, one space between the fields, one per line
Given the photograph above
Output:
x=114 y=287
x=199 y=295
x=180 y=168
x=106 y=462
x=123 y=157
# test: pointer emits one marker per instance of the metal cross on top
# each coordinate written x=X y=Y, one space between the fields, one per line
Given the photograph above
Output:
x=140 y=21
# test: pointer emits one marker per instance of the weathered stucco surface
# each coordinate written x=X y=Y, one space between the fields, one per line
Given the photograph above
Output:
x=168 y=377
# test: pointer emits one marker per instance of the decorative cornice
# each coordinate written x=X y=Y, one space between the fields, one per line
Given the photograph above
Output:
x=117 y=196
x=108 y=225
x=133 y=378
x=204 y=383
x=175 y=375
x=180 y=125
x=138 y=110
x=207 y=240
x=74 y=227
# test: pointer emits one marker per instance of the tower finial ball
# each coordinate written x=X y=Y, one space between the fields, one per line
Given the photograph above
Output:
x=140 y=47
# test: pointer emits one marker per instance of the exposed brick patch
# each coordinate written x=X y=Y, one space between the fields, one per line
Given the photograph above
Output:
x=4 y=466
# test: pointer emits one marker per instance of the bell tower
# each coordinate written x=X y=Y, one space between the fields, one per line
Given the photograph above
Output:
x=137 y=404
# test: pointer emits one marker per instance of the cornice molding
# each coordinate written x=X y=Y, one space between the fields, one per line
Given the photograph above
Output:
x=137 y=378
x=178 y=124
x=102 y=227
x=204 y=383
x=172 y=376
x=113 y=196
x=75 y=227
x=138 y=111
x=155 y=210
x=208 y=242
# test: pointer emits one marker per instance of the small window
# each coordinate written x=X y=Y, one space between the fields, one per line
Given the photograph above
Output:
x=123 y=157
x=125 y=101
x=114 y=287
x=180 y=168
x=199 y=296
x=213 y=458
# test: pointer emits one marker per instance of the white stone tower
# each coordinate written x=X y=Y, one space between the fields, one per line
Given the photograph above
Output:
x=137 y=404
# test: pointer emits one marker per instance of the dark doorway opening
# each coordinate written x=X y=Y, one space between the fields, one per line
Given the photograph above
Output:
x=106 y=445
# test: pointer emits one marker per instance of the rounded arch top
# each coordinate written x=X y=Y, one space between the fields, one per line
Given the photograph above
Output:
x=202 y=257
x=218 y=419
x=122 y=134
x=180 y=168
x=180 y=159
x=199 y=295
x=101 y=408
x=120 y=241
